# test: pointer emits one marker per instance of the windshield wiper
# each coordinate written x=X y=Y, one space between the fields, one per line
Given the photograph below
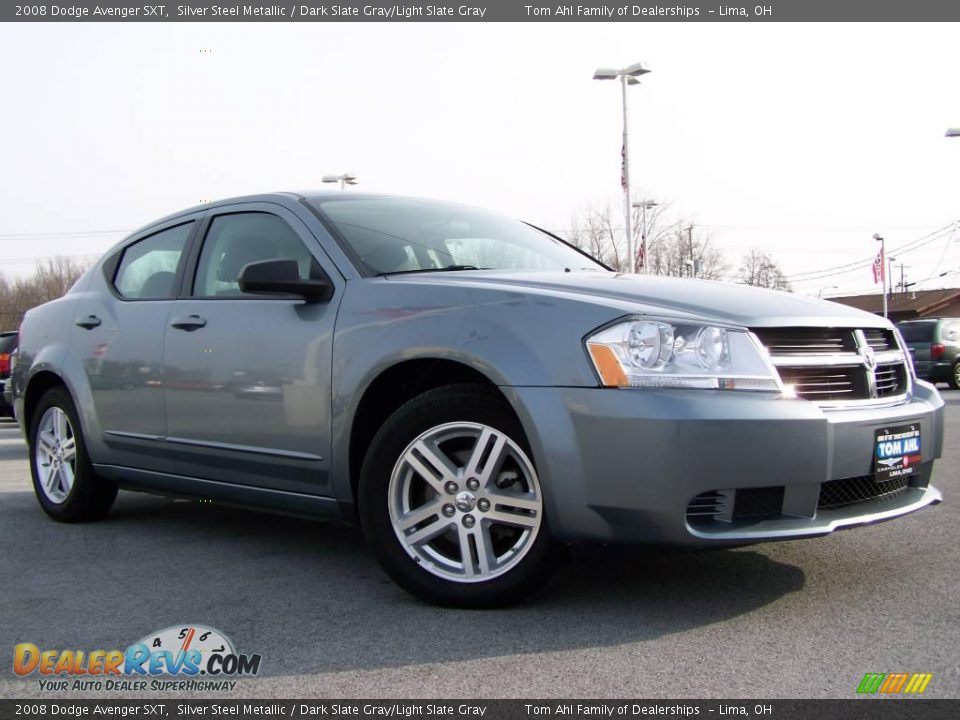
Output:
x=448 y=268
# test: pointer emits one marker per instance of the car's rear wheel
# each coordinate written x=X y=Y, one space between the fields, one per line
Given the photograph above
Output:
x=64 y=480
x=452 y=504
x=954 y=379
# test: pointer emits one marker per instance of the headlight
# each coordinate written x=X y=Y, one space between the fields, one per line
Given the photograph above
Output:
x=648 y=353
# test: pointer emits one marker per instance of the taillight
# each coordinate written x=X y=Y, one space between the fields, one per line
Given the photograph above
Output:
x=936 y=350
x=4 y=363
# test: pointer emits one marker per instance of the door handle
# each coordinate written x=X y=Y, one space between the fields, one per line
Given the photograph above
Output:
x=89 y=322
x=192 y=322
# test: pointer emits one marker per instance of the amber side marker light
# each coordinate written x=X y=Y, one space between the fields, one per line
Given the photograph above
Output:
x=611 y=373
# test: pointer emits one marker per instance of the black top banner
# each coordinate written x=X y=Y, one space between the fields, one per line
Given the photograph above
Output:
x=484 y=11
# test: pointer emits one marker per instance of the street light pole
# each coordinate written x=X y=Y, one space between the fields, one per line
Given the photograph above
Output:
x=626 y=178
x=626 y=76
x=883 y=269
x=643 y=230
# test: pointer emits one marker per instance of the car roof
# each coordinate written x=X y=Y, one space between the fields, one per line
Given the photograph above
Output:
x=285 y=196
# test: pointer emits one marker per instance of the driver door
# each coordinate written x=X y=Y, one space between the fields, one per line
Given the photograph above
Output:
x=247 y=377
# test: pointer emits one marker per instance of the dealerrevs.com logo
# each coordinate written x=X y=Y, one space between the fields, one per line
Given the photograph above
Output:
x=182 y=657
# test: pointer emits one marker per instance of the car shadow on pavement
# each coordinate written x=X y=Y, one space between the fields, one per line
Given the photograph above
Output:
x=310 y=597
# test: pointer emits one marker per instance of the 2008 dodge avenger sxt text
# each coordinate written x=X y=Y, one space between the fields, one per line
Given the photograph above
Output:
x=470 y=388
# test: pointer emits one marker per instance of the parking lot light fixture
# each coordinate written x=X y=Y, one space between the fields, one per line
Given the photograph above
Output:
x=953 y=132
x=344 y=179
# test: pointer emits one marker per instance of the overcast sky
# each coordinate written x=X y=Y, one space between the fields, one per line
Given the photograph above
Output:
x=802 y=139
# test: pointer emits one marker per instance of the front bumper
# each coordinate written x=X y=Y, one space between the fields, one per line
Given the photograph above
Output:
x=624 y=465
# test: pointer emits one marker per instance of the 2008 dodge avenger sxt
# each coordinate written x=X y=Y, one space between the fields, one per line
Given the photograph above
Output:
x=472 y=389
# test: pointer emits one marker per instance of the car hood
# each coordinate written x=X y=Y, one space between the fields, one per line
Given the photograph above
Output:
x=682 y=298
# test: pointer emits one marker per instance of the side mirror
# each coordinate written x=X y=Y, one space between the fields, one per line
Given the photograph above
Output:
x=282 y=277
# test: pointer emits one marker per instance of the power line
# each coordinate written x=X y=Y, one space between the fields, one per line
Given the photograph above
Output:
x=74 y=233
x=41 y=258
x=859 y=264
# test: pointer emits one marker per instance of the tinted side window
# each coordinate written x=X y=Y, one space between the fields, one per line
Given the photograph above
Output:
x=236 y=240
x=917 y=332
x=148 y=269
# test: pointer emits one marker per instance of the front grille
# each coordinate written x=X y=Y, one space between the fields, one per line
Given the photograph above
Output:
x=848 y=491
x=880 y=340
x=827 y=383
x=806 y=341
x=891 y=380
x=837 y=364
x=717 y=508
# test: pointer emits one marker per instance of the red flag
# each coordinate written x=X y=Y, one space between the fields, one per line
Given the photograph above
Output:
x=623 y=167
x=878 y=267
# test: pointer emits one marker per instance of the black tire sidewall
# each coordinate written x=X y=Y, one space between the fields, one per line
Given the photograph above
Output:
x=465 y=403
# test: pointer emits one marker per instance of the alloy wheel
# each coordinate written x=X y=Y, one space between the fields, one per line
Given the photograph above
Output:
x=465 y=502
x=55 y=455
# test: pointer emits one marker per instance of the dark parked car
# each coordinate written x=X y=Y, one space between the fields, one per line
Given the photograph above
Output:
x=935 y=346
x=472 y=389
x=8 y=347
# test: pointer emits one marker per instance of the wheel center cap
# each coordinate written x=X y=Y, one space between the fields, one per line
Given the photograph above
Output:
x=465 y=501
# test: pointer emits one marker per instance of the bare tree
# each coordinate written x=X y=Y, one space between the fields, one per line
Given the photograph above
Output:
x=679 y=249
x=50 y=280
x=684 y=250
x=594 y=230
x=598 y=229
x=758 y=268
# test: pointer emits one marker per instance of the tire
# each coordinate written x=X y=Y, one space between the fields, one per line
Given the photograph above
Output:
x=64 y=481
x=455 y=539
x=954 y=379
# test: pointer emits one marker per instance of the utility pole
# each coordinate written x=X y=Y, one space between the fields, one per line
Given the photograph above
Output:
x=903 y=282
x=883 y=269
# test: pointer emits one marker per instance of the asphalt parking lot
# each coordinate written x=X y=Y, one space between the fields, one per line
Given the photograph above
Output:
x=802 y=619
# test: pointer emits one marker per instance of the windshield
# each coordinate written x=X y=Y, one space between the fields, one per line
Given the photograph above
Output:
x=391 y=235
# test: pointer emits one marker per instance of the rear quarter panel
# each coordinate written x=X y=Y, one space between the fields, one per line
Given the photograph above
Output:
x=44 y=346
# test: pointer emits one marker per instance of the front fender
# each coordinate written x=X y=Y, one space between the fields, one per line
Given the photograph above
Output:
x=512 y=338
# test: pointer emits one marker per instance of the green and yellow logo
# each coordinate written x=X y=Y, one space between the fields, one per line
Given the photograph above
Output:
x=891 y=683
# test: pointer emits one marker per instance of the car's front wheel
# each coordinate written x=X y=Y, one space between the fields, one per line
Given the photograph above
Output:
x=63 y=478
x=451 y=502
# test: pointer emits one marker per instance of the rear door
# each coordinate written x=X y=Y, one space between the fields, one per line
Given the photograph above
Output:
x=247 y=377
x=118 y=333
